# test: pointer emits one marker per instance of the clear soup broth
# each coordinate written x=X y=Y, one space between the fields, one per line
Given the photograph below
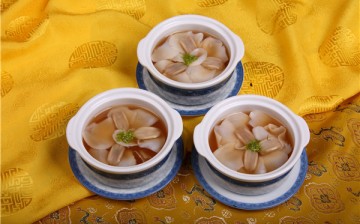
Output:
x=251 y=142
x=190 y=56
x=124 y=135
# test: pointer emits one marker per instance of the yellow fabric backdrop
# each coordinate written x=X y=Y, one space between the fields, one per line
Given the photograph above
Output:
x=55 y=55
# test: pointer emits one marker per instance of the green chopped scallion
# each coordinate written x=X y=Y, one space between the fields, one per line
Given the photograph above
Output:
x=125 y=136
x=188 y=59
x=254 y=146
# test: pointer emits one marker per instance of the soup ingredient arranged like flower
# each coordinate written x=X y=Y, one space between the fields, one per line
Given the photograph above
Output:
x=251 y=143
x=190 y=57
x=123 y=136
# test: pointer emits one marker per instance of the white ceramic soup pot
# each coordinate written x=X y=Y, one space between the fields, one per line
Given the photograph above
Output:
x=296 y=126
x=116 y=97
x=195 y=23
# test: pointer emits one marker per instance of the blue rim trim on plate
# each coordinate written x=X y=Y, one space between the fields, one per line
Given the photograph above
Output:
x=94 y=181
x=189 y=110
x=195 y=161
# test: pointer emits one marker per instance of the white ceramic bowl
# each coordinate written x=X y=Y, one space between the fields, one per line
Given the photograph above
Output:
x=123 y=96
x=295 y=125
x=198 y=23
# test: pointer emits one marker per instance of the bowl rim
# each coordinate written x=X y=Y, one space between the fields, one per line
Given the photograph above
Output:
x=78 y=122
x=234 y=44
x=218 y=112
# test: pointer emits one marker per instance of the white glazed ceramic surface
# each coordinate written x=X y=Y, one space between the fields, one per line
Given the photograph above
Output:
x=129 y=186
x=192 y=105
x=249 y=198
x=198 y=23
x=295 y=125
x=123 y=96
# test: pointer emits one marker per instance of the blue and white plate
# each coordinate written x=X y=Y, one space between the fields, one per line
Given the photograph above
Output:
x=180 y=102
x=128 y=187
x=292 y=183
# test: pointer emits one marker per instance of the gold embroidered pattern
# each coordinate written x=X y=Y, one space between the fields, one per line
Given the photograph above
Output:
x=295 y=220
x=134 y=8
x=93 y=54
x=7 y=83
x=201 y=198
x=354 y=128
x=59 y=216
x=330 y=134
x=276 y=15
x=262 y=78
x=226 y=213
x=349 y=106
x=22 y=28
x=210 y=3
x=294 y=203
x=354 y=107
x=316 y=169
x=324 y=198
x=16 y=190
x=49 y=121
x=211 y=220
x=345 y=166
x=125 y=216
x=5 y=4
x=318 y=104
x=163 y=199
x=341 y=48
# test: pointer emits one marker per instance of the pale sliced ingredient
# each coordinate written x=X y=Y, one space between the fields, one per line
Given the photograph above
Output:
x=147 y=133
x=244 y=134
x=199 y=73
x=162 y=65
x=120 y=120
x=128 y=159
x=188 y=43
x=99 y=135
x=153 y=144
x=174 y=69
x=142 y=118
x=270 y=144
x=224 y=133
x=259 y=118
x=274 y=160
x=99 y=154
x=230 y=157
x=250 y=160
x=215 y=48
x=115 y=154
x=213 y=63
x=260 y=168
x=164 y=52
x=182 y=77
x=260 y=133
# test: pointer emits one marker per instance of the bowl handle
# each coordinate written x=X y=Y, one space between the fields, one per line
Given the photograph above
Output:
x=305 y=133
x=178 y=124
x=70 y=134
x=240 y=49
x=198 y=140
x=141 y=49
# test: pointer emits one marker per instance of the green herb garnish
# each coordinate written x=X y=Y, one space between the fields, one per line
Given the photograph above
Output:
x=125 y=136
x=188 y=59
x=253 y=145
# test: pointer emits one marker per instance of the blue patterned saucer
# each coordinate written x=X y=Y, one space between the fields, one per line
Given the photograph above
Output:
x=232 y=197
x=131 y=186
x=191 y=102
